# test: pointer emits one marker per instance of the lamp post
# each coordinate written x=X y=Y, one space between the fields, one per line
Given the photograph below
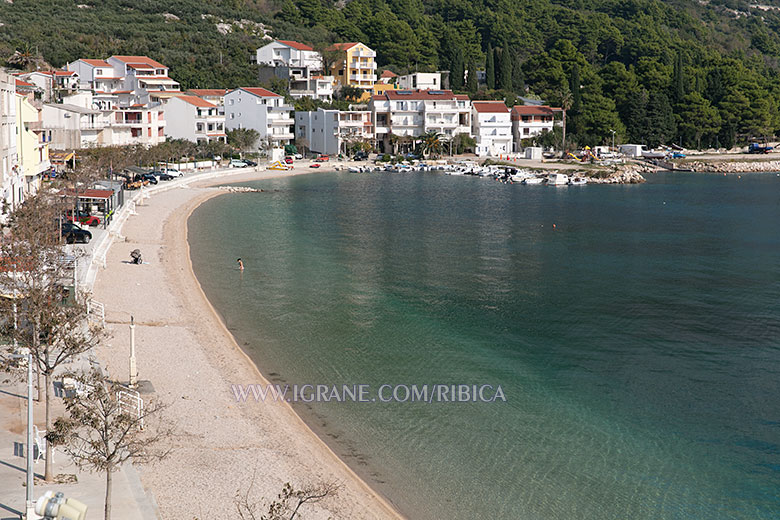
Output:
x=613 y=139
x=133 y=369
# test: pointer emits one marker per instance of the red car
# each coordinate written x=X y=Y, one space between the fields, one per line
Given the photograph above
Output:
x=323 y=158
x=288 y=160
x=83 y=218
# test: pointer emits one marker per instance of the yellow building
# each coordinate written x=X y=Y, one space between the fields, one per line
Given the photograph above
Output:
x=32 y=145
x=358 y=66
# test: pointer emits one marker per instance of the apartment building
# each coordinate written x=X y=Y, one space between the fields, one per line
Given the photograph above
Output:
x=333 y=131
x=358 y=66
x=491 y=126
x=32 y=144
x=297 y=63
x=408 y=114
x=215 y=96
x=52 y=84
x=11 y=177
x=194 y=119
x=262 y=110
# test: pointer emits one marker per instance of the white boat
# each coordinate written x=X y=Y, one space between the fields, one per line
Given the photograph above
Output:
x=532 y=180
x=579 y=181
x=557 y=179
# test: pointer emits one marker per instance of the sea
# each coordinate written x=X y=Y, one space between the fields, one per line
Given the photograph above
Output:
x=633 y=330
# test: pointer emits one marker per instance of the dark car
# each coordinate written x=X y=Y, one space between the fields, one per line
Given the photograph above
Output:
x=361 y=156
x=162 y=175
x=149 y=177
x=72 y=233
x=250 y=163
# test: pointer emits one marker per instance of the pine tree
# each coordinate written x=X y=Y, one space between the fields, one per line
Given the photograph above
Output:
x=472 y=84
x=497 y=67
x=678 y=79
x=518 y=80
x=490 y=68
x=574 y=85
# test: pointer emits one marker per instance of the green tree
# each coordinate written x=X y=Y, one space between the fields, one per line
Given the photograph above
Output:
x=457 y=71
x=243 y=139
x=696 y=119
x=678 y=79
x=490 y=68
x=506 y=69
x=472 y=83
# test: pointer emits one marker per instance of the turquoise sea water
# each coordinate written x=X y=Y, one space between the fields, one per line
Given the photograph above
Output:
x=637 y=341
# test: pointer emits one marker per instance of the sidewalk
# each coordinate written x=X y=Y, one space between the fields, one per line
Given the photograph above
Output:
x=129 y=501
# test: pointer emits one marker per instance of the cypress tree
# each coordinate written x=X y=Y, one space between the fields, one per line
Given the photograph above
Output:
x=678 y=79
x=497 y=67
x=472 y=84
x=506 y=69
x=518 y=81
x=456 y=72
x=574 y=85
x=490 y=68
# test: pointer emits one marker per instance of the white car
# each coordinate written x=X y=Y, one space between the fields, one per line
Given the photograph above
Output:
x=237 y=163
x=172 y=171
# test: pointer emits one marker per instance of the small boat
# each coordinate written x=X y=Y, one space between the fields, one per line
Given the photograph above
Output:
x=532 y=181
x=557 y=179
x=578 y=181
x=315 y=165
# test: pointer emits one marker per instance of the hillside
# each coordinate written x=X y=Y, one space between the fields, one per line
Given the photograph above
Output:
x=697 y=72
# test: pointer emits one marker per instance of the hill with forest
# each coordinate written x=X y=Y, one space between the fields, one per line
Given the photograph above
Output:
x=695 y=72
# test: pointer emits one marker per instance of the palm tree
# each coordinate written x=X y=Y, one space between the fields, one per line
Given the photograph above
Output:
x=431 y=143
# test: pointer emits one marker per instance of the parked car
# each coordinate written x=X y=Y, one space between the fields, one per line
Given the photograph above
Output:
x=238 y=163
x=322 y=158
x=72 y=233
x=83 y=217
x=361 y=156
x=172 y=172
x=250 y=163
x=288 y=160
x=149 y=177
x=298 y=156
x=163 y=176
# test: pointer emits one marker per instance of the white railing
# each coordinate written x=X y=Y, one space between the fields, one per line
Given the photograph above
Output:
x=130 y=402
x=96 y=311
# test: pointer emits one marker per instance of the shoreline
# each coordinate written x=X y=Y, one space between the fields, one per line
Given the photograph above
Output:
x=357 y=496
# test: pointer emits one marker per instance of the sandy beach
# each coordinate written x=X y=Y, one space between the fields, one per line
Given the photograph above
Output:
x=191 y=359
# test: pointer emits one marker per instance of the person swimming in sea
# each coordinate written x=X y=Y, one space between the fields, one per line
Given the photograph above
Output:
x=240 y=265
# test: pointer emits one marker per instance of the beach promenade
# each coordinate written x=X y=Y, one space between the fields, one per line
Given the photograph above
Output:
x=220 y=447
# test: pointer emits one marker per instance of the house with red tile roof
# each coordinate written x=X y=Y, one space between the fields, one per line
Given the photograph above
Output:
x=261 y=110
x=491 y=126
x=357 y=67
x=408 y=114
x=194 y=119
x=531 y=120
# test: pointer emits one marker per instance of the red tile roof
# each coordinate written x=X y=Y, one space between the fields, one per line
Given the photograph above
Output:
x=388 y=74
x=22 y=83
x=207 y=91
x=490 y=107
x=96 y=63
x=342 y=46
x=198 y=102
x=296 y=45
x=462 y=97
x=140 y=60
x=259 y=92
x=532 y=110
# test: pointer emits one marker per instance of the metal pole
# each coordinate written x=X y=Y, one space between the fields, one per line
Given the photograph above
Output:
x=30 y=503
x=133 y=369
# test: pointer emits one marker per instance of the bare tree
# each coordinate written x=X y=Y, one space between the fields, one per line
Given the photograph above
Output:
x=48 y=317
x=101 y=434
x=287 y=504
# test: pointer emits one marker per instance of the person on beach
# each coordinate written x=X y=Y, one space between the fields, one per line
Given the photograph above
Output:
x=240 y=265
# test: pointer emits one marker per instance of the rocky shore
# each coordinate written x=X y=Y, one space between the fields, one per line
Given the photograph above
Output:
x=731 y=166
x=623 y=174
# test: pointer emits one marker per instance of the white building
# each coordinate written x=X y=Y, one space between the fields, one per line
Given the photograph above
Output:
x=492 y=127
x=215 y=96
x=332 y=131
x=529 y=121
x=53 y=84
x=262 y=110
x=11 y=175
x=299 y=64
x=420 y=81
x=409 y=114
x=194 y=119
x=145 y=76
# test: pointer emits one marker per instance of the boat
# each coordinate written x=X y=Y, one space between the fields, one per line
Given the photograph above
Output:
x=557 y=179
x=578 y=181
x=279 y=165
x=315 y=165
x=532 y=180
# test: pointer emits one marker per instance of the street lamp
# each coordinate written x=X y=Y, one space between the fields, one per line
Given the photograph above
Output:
x=613 y=139
x=133 y=368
